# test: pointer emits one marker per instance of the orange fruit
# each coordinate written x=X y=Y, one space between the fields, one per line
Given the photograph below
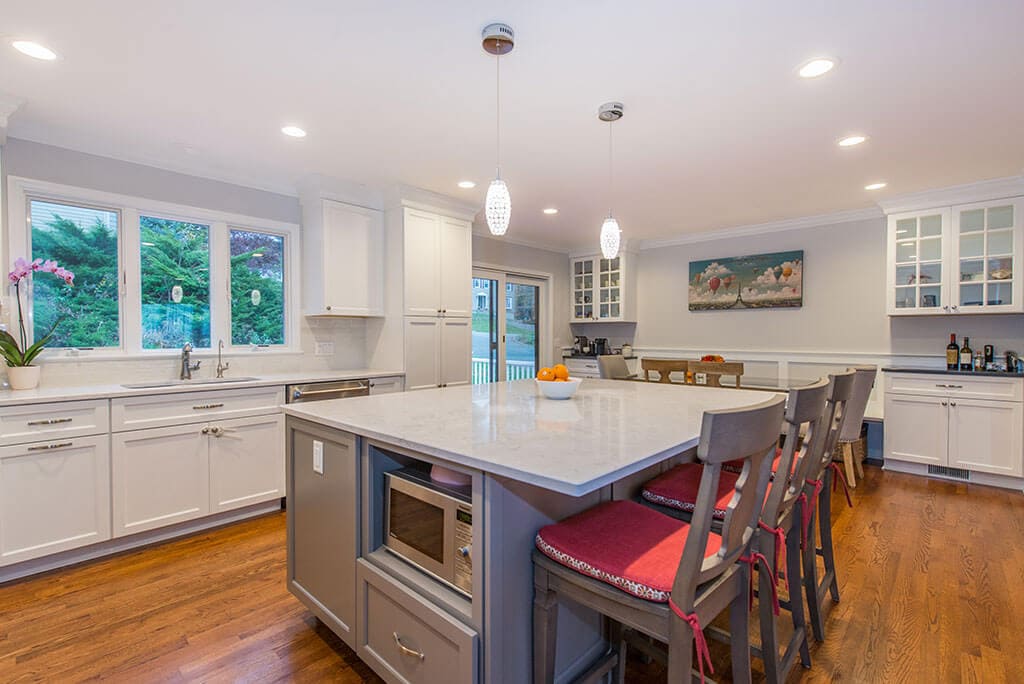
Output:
x=546 y=374
x=561 y=372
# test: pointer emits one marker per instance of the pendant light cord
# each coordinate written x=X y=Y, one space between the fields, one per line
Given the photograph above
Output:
x=497 y=108
x=610 y=184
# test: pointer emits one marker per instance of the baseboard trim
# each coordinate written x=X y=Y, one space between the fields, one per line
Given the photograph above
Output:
x=113 y=547
x=977 y=478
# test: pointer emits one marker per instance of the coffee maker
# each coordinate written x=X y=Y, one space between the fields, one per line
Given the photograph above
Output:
x=600 y=346
x=581 y=345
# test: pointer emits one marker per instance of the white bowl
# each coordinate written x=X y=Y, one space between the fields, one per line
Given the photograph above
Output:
x=559 y=390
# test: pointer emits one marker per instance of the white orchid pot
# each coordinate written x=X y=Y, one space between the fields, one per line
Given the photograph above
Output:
x=23 y=377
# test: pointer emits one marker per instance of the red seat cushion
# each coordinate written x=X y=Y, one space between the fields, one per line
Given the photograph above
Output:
x=678 y=489
x=629 y=546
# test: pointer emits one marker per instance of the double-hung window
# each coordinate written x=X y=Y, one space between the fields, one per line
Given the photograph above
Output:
x=152 y=276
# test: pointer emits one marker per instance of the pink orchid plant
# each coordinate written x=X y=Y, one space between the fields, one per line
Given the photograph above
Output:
x=22 y=354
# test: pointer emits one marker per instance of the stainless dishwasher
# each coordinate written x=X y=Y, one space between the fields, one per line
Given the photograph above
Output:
x=321 y=391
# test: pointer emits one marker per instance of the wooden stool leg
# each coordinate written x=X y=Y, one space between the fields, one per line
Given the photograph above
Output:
x=810 y=568
x=796 y=601
x=617 y=641
x=825 y=525
x=848 y=462
x=545 y=624
x=857 y=464
x=766 y=613
x=680 y=651
x=739 y=630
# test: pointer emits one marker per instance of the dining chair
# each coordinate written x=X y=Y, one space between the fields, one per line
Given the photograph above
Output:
x=863 y=383
x=650 y=573
x=778 y=527
x=613 y=367
x=663 y=367
x=816 y=502
x=714 y=371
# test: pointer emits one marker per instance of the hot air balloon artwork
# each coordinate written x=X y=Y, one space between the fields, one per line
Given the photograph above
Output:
x=760 y=281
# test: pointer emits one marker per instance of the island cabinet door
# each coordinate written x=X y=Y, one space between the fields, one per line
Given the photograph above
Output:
x=54 y=496
x=246 y=461
x=986 y=436
x=422 y=352
x=322 y=504
x=916 y=428
x=161 y=476
x=407 y=639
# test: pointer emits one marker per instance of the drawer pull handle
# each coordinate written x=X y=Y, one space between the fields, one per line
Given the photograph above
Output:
x=955 y=386
x=938 y=385
x=405 y=649
x=47 y=447
x=206 y=406
x=50 y=421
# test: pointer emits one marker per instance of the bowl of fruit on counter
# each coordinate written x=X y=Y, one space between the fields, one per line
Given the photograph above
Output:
x=555 y=383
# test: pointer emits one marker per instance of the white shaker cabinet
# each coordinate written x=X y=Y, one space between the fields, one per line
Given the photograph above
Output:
x=343 y=259
x=438 y=258
x=602 y=289
x=437 y=352
x=246 y=461
x=54 y=496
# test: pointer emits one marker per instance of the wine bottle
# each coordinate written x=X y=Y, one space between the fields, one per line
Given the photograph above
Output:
x=952 y=353
x=966 y=355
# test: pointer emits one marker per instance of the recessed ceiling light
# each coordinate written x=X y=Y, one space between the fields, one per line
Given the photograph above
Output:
x=466 y=185
x=817 y=67
x=851 y=140
x=294 y=132
x=27 y=47
x=550 y=211
x=875 y=186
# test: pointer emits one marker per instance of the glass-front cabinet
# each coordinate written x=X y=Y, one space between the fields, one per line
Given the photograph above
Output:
x=599 y=288
x=956 y=260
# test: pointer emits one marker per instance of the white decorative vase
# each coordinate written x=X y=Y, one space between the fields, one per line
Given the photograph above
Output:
x=23 y=377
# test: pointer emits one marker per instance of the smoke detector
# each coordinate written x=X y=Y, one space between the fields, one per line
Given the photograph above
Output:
x=498 y=39
x=610 y=111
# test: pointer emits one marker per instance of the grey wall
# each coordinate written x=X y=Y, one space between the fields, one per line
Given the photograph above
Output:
x=843 y=309
x=499 y=252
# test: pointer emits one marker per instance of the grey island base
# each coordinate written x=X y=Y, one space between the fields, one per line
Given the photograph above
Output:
x=529 y=461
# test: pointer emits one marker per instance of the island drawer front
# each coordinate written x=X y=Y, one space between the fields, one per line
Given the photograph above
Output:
x=406 y=638
x=165 y=410
x=966 y=386
x=35 y=422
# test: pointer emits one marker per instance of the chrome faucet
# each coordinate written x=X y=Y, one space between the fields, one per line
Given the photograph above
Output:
x=221 y=367
x=186 y=362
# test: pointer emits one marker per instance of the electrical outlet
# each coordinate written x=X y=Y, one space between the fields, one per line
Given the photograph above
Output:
x=324 y=349
x=700 y=378
x=318 y=457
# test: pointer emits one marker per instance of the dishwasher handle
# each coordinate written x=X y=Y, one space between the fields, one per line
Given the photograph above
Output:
x=298 y=394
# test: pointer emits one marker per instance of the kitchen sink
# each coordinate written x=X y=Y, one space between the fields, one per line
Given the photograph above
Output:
x=156 y=384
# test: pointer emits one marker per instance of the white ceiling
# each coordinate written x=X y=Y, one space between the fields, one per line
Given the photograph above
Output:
x=719 y=131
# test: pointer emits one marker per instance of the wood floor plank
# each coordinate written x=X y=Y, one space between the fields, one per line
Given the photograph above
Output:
x=930 y=575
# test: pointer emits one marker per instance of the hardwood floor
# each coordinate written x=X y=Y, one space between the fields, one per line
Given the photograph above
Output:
x=931 y=575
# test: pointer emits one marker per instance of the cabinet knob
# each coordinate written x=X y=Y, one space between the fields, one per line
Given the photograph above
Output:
x=956 y=308
x=952 y=403
x=328 y=307
x=944 y=403
x=945 y=307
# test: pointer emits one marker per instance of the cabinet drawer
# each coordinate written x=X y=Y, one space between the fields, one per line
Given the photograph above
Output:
x=164 y=410
x=966 y=386
x=20 y=424
x=388 y=385
x=407 y=639
x=584 y=368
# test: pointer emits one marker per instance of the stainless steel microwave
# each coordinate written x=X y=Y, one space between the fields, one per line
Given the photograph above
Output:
x=430 y=525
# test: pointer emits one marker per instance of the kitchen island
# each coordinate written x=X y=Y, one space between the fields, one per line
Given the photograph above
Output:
x=529 y=461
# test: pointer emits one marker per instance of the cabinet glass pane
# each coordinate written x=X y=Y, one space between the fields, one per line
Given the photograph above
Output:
x=615 y=312
x=906 y=228
x=1000 y=293
x=588 y=266
x=971 y=269
x=604 y=280
x=930 y=274
x=588 y=282
x=578 y=297
x=604 y=311
x=614 y=295
x=613 y=279
x=906 y=252
x=906 y=297
x=1000 y=269
x=972 y=245
x=579 y=282
x=579 y=312
x=1000 y=242
x=931 y=226
x=615 y=264
x=972 y=220
x=906 y=275
x=930 y=249
x=1000 y=217
x=604 y=295
x=577 y=268
x=971 y=295
x=930 y=296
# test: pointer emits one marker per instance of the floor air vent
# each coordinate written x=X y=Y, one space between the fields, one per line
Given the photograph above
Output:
x=955 y=473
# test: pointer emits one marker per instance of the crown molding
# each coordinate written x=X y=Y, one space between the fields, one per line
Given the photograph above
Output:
x=9 y=104
x=317 y=186
x=993 y=189
x=482 y=231
x=400 y=196
x=765 y=228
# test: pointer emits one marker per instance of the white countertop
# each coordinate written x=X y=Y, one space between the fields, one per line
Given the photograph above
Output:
x=610 y=429
x=70 y=393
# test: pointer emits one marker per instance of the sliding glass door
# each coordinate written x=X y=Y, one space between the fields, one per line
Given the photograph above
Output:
x=506 y=330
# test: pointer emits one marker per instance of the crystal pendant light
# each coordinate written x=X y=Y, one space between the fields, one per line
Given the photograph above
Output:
x=611 y=235
x=498 y=40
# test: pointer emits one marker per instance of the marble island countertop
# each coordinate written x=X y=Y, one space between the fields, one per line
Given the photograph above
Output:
x=609 y=430
x=45 y=394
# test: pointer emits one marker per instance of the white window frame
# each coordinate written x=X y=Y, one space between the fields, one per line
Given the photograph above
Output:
x=20 y=190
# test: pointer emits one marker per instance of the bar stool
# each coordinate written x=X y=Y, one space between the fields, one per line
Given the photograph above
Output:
x=858 y=404
x=778 y=526
x=613 y=367
x=816 y=501
x=662 y=577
